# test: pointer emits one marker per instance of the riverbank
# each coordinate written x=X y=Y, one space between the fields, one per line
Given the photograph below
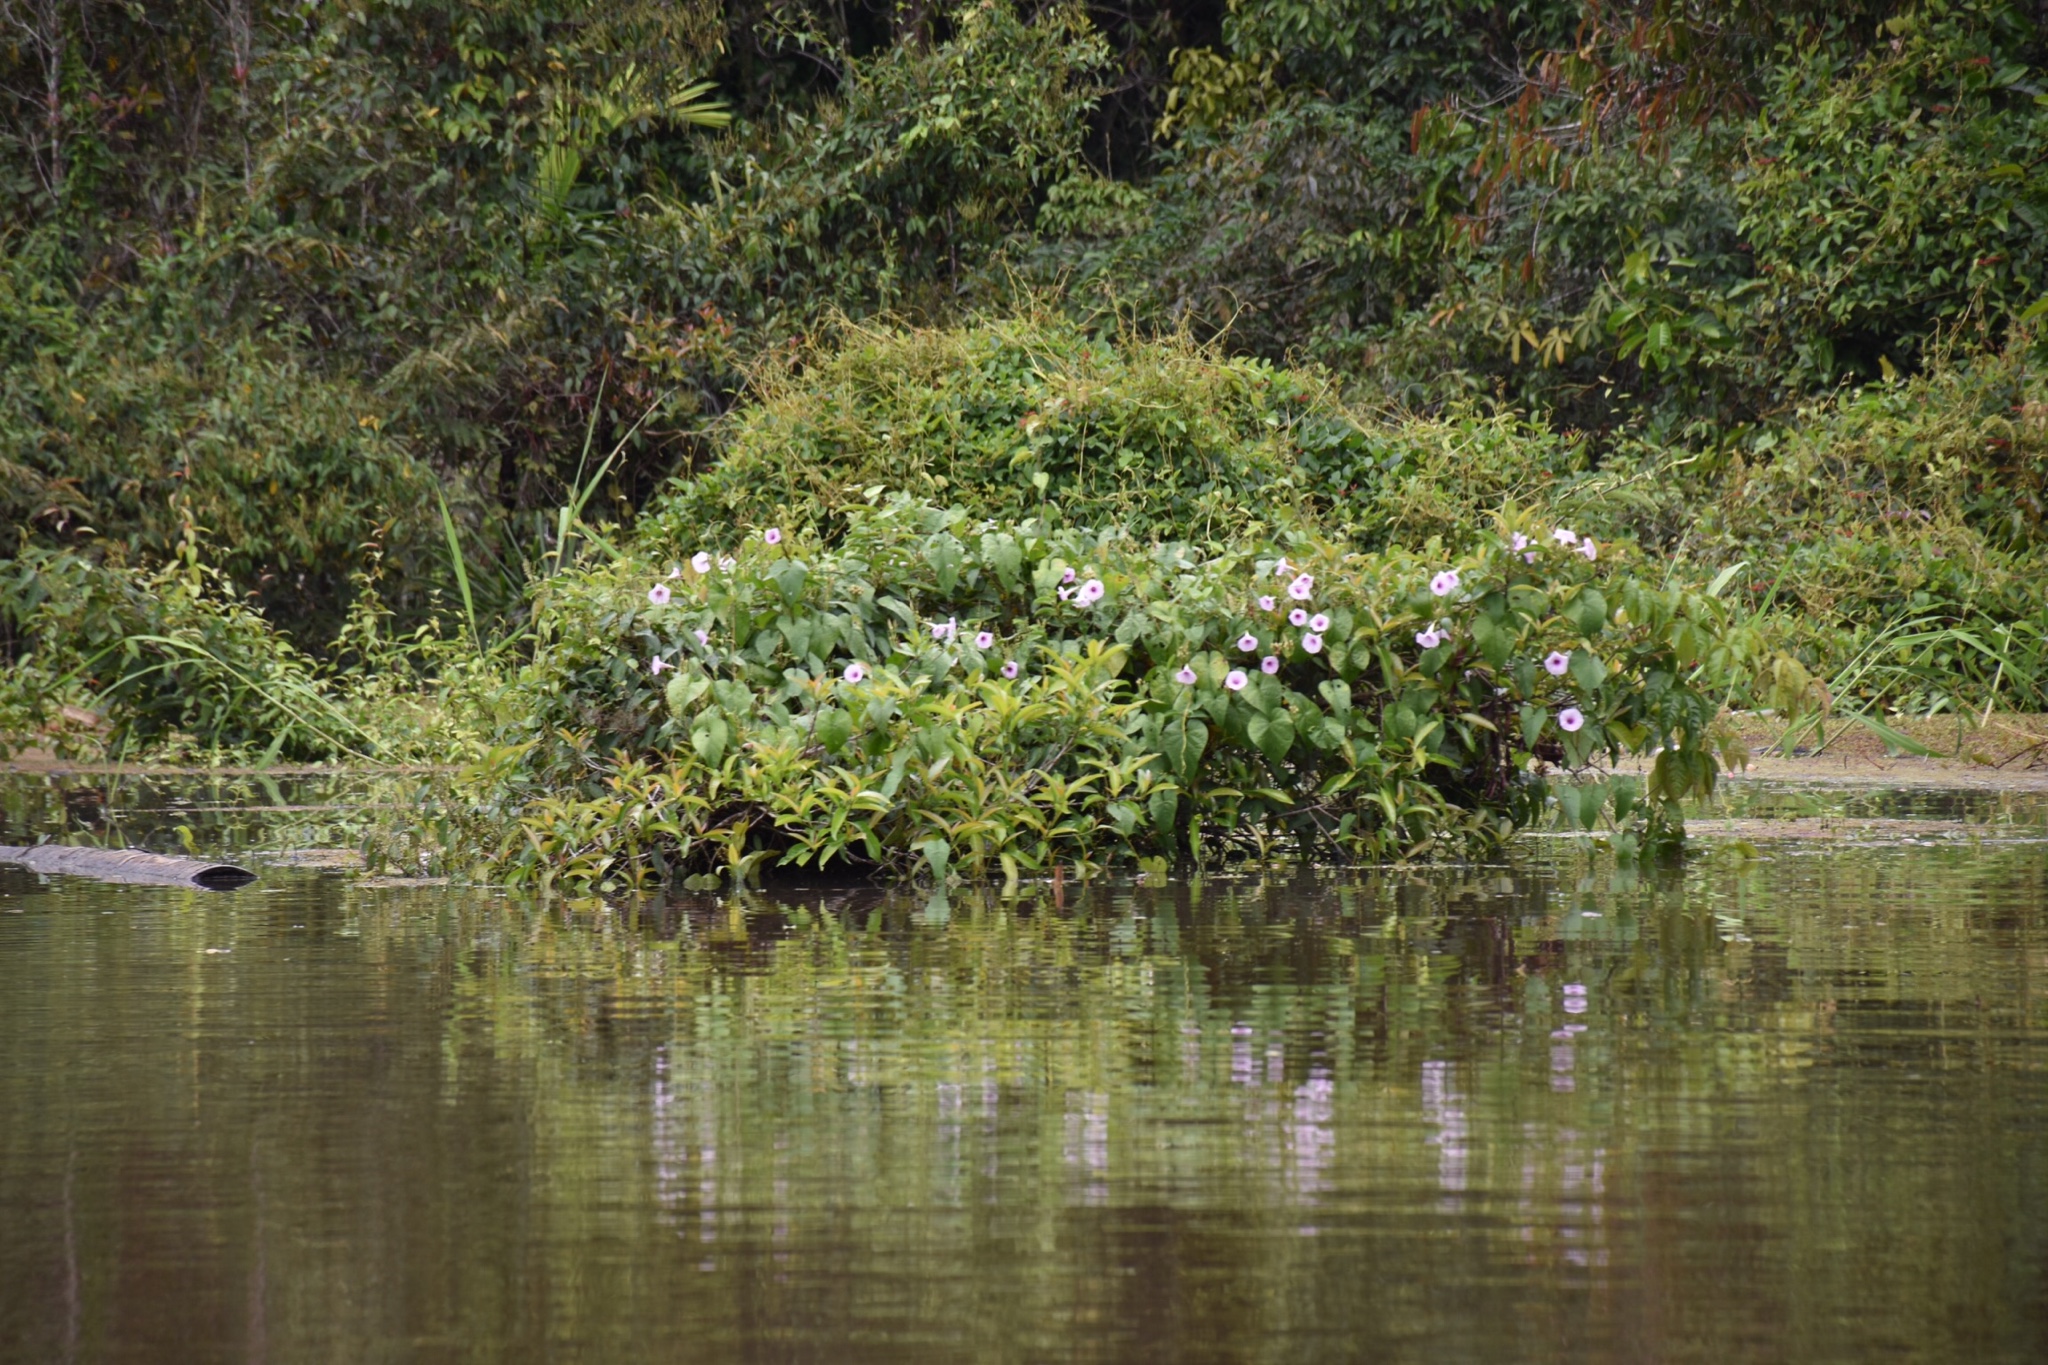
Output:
x=2004 y=751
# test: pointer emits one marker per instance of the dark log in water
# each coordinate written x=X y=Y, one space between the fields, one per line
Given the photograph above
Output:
x=128 y=865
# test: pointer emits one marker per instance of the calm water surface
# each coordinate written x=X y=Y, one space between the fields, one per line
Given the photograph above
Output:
x=1784 y=1107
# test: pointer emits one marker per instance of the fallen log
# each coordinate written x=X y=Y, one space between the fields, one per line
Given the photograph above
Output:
x=128 y=865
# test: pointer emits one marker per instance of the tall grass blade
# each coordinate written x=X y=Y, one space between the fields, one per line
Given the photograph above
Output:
x=572 y=515
x=455 y=556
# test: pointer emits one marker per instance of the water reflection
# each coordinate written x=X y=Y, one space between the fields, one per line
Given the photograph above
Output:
x=1779 y=1107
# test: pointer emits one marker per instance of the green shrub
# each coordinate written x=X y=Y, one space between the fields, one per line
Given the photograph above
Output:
x=171 y=658
x=1006 y=416
x=936 y=689
x=1887 y=513
x=1160 y=435
x=1895 y=195
x=126 y=423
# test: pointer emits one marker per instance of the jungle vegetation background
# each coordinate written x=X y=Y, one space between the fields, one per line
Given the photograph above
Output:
x=279 y=282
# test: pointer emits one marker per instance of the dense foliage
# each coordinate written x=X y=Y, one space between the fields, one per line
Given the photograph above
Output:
x=344 y=347
x=1012 y=694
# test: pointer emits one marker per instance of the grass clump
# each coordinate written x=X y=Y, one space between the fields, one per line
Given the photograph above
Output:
x=163 y=660
x=1894 y=538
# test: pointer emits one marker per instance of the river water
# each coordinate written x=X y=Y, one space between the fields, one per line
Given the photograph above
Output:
x=1783 y=1102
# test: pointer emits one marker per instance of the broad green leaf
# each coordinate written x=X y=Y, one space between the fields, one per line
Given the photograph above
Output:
x=1494 y=643
x=683 y=691
x=942 y=552
x=895 y=778
x=1568 y=807
x=709 y=736
x=1274 y=735
x=789 y=579
x=938 y=855
x=1587 y=611
x=1592 y=798
x=1181 y=743
x=1164 y=807
x=1008 y=559
x=1587 y=670
x=834 y=728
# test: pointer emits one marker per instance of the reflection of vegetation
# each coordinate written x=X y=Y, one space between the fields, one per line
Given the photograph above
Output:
x=708 y=1114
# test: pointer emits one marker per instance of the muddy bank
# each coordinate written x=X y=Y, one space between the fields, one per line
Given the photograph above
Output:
x=2004 y=753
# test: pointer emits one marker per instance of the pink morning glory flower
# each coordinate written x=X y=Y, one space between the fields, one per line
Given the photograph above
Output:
x=1266 y=604
x=1589 y=549
x=1010 y=668
x=983 y=640
x=1186 y=676
x=1067 y=577
x=1428 y=639
x=943 y=630
x=1313 y=643
x=1445 y=583
x=703 y=638
x=854 y=673
x=1281 y=568
x=1235 y=680
x=658 y=594
x=1518 y=542
x=1570 y=719
x=773 y=535
x=700 y=562
x=1557 y=662
x=1564 y=537
x=1319 y=623
x=1248 y=643
x=1297 y=617
x=727 y=563
x=1529 y=558
x=1301 y=588
x=1270 y=664
x=1090 y=592
x=1065 y=593
x=657 y=663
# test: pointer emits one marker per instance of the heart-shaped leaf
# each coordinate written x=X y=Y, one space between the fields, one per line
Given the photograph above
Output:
x=709 y=736
x=1273 y=734
x=1181 y=743
x=789 y=577
x=1587 y=611
x=1164 y=807
x=834 y=728
x=1587 y=670
x=1008 y=559
x=1494 y=643
x=682 y=693
x=942 y=552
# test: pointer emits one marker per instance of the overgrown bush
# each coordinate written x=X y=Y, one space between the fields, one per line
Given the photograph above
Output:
x=987 y=695
x=1895 y=535
x=125 y=424
x=160 y=661
x=1897 y=195
x=1006 y=416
